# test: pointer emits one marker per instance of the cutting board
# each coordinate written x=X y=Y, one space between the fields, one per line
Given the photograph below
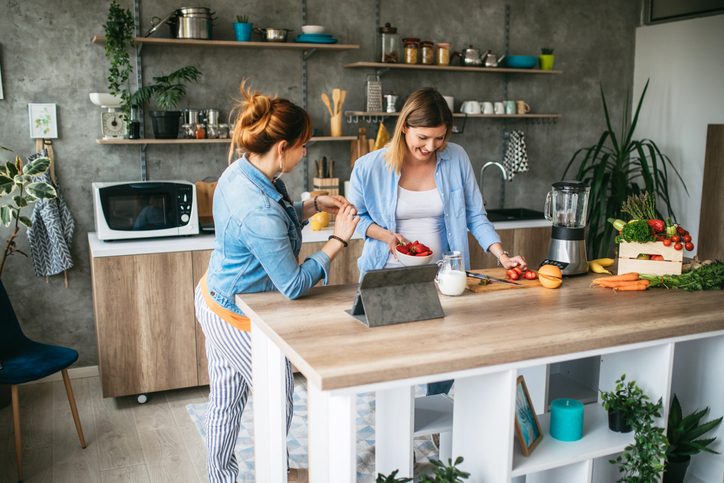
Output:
x=474 y=283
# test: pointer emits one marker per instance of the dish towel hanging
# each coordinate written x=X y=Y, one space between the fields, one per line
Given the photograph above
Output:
x=516 y=157
x=52 y=232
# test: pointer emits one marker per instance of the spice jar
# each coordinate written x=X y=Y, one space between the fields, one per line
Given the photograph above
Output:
x=390 y=49
x=427 y=52
x=442 y=56
x=200 y=131
x=188 y=131
x=412 y=49
x=212 y=131
x=223 y=131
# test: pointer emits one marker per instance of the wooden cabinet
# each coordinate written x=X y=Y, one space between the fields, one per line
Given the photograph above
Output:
x=531 y=243
x=200 y=264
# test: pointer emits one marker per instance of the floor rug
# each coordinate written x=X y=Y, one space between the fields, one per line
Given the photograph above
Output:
x=297 y=439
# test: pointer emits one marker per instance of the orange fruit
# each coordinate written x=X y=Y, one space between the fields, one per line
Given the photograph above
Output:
x=550 y=276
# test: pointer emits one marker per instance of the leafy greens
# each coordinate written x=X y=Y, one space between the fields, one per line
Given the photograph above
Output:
x=706 y=277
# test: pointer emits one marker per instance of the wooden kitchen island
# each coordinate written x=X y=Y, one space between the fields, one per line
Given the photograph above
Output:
x=669 y=341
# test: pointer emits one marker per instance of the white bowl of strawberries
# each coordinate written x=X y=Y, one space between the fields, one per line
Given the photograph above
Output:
x=413 y=254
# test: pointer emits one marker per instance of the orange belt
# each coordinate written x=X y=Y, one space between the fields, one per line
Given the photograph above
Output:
x=241 y=322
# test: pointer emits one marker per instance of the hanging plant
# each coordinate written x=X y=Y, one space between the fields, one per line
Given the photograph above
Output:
x=119 y=36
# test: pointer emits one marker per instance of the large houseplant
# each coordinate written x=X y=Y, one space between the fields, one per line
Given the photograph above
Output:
x=15 y=175
x=119 y=36
x=166 y=92
x=684 y=435
x=614 y=170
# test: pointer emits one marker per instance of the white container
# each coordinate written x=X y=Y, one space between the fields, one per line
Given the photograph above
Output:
x=313 y=29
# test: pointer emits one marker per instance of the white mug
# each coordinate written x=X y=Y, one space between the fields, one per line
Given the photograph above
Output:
x=470 y=107
x=486 y=107
x=499 y=108
x=450 y=101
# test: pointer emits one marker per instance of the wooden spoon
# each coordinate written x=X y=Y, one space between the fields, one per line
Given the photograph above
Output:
x=336 y=94
x=341 y=100
x=325 y=99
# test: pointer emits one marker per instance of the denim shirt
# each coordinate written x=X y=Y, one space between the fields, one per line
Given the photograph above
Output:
x=373 y=191
x=258 y=239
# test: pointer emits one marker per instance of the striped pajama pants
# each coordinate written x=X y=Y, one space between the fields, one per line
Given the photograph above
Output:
x=228 y=350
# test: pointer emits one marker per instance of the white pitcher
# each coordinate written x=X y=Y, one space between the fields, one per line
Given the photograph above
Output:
x=451 y=277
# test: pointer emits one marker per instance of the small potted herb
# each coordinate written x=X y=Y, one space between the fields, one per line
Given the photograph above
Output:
x=242 y=28
x=391 y=478
x=621 y=404
x=546 y=59
x=684 y=435
x=445 y=474
x=166 y=92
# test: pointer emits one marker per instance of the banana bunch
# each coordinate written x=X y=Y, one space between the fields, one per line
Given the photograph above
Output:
x=598 y=265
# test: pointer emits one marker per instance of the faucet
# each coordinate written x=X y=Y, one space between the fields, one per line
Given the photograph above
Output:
x=502 y=185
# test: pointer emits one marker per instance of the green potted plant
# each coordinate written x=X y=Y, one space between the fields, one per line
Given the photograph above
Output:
x=391 y=478
x=445 y=474
x=242 y=28
x=119 y=36
x=622 y=404
x=166 y=92
x=684 y=435
x=15 y=175
x=546 y=59
x=642 y=461
x=614 y=172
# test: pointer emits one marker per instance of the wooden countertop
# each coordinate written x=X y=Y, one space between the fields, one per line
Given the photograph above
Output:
x=333 y=350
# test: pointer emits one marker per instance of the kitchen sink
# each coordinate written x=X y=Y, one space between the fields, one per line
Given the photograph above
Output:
x=514 y=214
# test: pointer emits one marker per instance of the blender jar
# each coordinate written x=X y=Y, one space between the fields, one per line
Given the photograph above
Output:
x=567 y=203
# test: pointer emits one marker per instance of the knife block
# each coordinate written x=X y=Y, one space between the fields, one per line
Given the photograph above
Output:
x=330 y=185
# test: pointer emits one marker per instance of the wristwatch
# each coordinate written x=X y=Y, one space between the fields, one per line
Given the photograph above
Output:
x=504 y=253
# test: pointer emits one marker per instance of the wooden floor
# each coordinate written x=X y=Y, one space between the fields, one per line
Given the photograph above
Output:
x=126 y=442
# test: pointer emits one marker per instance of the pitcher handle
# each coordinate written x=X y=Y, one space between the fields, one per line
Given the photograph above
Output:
x=439 y=266
x=547 y=209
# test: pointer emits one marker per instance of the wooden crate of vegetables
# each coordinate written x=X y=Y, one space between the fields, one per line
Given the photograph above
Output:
x=648 y=245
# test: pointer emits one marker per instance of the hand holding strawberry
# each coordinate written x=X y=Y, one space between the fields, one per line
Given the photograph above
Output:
x=414 y=249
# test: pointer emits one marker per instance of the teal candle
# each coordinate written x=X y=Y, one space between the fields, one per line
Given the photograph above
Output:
x=566 y=420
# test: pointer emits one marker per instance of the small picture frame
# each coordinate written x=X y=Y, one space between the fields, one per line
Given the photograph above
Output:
x=527 y=427
x=43 y=121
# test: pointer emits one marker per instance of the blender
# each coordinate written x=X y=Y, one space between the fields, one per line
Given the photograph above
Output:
x=566 y=206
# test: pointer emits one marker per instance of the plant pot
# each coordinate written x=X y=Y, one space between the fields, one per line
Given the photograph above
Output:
x=243 y=31
x=546 y=62
x=617 y=423
x=165 y=124
x=675 y=471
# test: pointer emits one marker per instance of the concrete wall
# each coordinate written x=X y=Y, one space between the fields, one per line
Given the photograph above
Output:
x=682 y=59
x=46 y=56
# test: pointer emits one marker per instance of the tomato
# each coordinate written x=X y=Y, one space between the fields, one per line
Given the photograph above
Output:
x=689 y=246
x=678 y=246
x=658 y=258
x=675 y=239
x=667 y=242
x=531 y=275
x=686 y=238
x=661 y=238
x=686 y=233
x=680 y=230
x=512 y=274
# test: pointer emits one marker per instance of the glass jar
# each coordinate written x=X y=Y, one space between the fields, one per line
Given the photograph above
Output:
x=442 y=54
x=188 y=131
x=390 y=49
x=200 y=132
x=427 y=52
x=212 y=131
x=412 y=50
x=223 y=131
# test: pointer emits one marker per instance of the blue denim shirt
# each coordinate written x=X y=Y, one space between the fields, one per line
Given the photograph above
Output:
x=258 y=238
x=373 y=191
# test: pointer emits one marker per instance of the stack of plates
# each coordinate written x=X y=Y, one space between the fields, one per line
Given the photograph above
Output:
x=316 y=39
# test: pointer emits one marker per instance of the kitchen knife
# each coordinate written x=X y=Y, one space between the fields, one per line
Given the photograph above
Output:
x=491 y=279
x=324 y=166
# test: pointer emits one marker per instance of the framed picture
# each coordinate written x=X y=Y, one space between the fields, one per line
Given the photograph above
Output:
x=527 y=426
x=43 y=121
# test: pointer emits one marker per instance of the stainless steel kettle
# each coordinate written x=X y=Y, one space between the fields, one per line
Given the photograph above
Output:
x=470 y=57
x=491 y=60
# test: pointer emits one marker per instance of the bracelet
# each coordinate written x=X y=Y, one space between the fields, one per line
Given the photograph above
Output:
x=315 y=205
x=335 y=237
x=504 y=253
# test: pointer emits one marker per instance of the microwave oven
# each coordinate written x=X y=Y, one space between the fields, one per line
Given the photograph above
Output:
x=145 y=209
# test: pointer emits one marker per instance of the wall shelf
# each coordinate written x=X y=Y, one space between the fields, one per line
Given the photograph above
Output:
x=489 y=70
x=140 y=142
x=101 y=40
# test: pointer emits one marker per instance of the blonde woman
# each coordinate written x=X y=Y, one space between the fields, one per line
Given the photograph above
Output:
x=421 y=187
x=258 y=238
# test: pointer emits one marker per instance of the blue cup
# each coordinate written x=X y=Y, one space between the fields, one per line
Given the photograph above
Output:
x=510 y=107
x=243 y=31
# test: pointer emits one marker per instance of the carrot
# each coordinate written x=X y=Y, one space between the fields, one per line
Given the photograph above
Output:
x=627 y=283
x=631 y=288
x=626 y=277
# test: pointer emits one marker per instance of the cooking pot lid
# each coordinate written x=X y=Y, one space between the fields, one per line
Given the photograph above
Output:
x=187 y=10
x=571 y=186
x=156 y=26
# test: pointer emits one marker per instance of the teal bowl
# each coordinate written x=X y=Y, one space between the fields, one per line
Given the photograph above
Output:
x=521 y=61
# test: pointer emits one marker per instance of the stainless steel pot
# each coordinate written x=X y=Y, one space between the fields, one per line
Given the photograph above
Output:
x=273 y=35
x=186 y=23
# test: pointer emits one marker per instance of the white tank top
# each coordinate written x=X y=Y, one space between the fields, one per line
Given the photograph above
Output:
x=420 y=217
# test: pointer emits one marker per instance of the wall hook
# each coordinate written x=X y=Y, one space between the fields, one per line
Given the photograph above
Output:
x=349 y=119
x=356 y=119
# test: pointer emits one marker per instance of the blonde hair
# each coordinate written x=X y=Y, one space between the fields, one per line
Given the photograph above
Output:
x=263 y=121
x=424 y=108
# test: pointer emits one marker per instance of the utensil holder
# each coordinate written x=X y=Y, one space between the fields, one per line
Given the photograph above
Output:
x=328 y=185
x=336 y=125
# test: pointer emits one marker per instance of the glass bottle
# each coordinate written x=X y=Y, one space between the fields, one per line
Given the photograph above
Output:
x=412 y=49
x=390 y=49
x=212 y=131
x=442 y=54
x=200 y=132
x=223 y=131
x=134 y=125
x=427 y=52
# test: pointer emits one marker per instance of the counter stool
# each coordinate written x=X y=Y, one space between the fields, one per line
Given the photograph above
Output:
x=434 y=414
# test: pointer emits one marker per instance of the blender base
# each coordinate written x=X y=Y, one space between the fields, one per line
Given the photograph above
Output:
x=568 y=255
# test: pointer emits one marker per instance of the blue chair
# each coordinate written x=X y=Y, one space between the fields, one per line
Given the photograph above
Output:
x=23 y=360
